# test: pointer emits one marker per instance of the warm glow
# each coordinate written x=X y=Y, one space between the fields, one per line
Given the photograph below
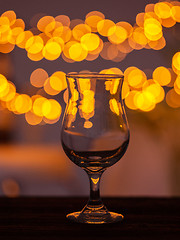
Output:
x=10 y=188
x=129 y=100
x=51 y=51
x=175 y=11
x=38 y=77
x=92 y=19
x=152 y=29
x=177 y=85
x=34 y=45
x=37 y=106
x=44 y=22
x=90 y=41
x=77 y=40
x=135 y=77
x=22 y=38
x=23 y=103
x=64 y=32
x=173 y=99
x=176 y=62
x=32 y=118
x=106 y=27
x=77 y=52
x=119 y=36
x=11 y=15
x=157 y=45
x=139 y=37
x=168 y=22
x=80 y=30
x=3 y=83
x=48 y=88
x=144 y=101
x=162 y=75
x=58 y=81
x=65 y=20
x=51 y=109
x=162 y=10
x=154 y=88
x=10 y=94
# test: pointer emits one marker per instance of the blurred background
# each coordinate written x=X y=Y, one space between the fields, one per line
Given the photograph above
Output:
x=40 y=41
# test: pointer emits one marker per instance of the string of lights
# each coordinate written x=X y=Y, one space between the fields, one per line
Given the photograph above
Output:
x=78 y=40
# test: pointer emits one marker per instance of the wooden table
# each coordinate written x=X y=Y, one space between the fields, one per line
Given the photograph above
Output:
x=44 y=218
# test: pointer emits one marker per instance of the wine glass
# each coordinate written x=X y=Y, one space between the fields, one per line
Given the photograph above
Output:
x=95 y=135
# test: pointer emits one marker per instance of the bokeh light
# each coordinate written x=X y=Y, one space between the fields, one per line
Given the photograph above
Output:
x=86 y=39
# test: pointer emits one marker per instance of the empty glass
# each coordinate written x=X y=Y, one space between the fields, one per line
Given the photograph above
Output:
x=95 y=135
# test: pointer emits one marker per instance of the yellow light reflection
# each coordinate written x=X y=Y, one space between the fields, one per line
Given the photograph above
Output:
x=88 y=102
x=95 y=180
x=88 y=124
x=114 y=106
x=125 y=90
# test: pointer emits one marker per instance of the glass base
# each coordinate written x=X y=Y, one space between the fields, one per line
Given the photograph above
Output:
x=95 y=217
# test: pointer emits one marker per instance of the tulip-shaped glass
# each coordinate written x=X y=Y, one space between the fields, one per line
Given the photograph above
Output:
x=95 y=135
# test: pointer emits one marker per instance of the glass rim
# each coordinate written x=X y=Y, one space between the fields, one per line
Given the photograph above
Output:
x=93 y=75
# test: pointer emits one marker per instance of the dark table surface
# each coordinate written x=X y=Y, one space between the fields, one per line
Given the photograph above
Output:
x=44 y=218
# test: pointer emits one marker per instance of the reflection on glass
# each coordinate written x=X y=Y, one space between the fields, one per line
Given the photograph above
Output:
x=95 y=134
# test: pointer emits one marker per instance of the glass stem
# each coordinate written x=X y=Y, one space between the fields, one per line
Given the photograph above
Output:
x=95 y=201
